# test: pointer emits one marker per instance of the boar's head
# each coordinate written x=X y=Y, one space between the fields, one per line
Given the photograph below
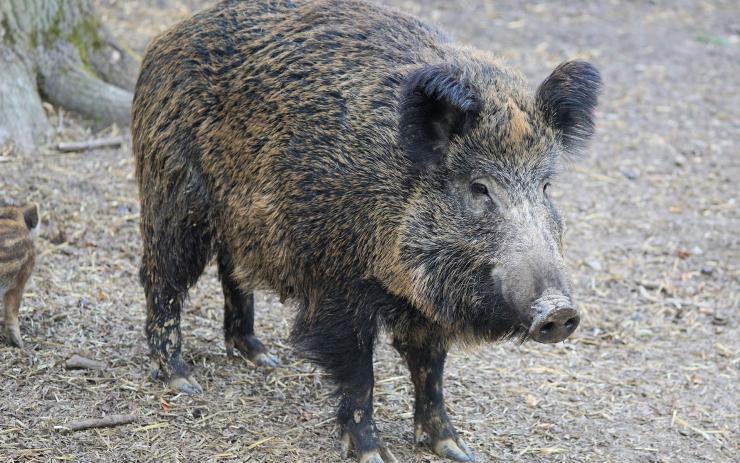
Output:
x=481 y=240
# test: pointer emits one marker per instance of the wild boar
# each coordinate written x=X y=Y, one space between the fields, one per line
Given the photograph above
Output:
x=355 y=160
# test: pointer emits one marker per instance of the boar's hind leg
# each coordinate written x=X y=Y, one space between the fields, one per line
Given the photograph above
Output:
x=426 y=364
x=177 y=247
x=165 y=339
x=164 y=304
x=239 y=319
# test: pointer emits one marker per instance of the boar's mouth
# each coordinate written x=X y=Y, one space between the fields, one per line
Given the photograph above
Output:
x=489 y=331
x=497 y=320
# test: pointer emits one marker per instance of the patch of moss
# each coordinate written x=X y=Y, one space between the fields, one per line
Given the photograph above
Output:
x=53 y=33
x=7 y=35
x=85 y=37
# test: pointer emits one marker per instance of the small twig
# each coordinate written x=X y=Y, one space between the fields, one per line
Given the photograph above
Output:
x=259 y=442
x=79 y=362
x=91 y=144
x=105 y=422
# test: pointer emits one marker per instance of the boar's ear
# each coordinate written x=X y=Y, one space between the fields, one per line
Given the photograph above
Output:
x=435 y=106
x=31 y=216
x=568 y=99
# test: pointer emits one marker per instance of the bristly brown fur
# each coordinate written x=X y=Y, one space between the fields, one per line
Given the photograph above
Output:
x=323 y=149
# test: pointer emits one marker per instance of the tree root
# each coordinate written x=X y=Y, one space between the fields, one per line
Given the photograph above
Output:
x=65 y=82
x=115 y=63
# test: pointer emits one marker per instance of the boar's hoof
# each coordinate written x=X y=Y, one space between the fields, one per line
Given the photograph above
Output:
x=454 y=449
x=371 y=457
x=187 y=385
x=180 y=379
x=254 y=350
x=13 y=333
x=379 y=455
x=266 y=359
x=442 y=436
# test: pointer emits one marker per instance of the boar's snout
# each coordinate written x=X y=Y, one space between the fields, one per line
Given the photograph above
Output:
x=554 y=318
x=537 y=289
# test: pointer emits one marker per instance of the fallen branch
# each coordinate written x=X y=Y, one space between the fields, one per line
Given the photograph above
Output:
x=79 y=362
x=92 y=144
x=105 y=422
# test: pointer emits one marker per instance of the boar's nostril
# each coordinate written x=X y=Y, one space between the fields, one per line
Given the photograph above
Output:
x=546 y=328
x=570 y=324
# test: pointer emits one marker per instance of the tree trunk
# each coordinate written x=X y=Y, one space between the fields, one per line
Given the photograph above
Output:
x=59 y=50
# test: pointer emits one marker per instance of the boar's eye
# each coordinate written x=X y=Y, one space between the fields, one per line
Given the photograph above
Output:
x=479 y=189
x=545 y=187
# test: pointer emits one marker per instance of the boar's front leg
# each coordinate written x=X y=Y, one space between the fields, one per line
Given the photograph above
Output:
x=339 y=337
x=355 y=414
x=426 y=364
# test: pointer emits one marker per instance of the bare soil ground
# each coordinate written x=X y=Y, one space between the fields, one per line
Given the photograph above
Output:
x=652 y=374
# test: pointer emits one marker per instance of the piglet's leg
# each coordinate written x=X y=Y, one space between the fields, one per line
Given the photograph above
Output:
x=426 y=364
x=12 y=301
